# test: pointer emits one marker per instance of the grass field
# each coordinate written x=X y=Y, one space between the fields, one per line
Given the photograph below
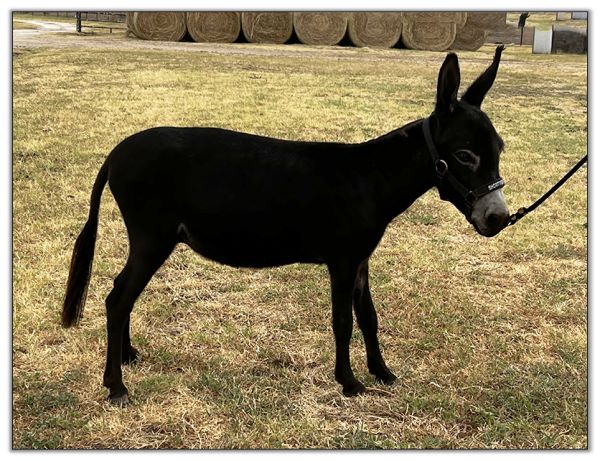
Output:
x=488 y=336
x=16 y=25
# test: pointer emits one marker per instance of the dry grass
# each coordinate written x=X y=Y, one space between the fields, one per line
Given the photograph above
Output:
x=17 y=25
x=488 y=337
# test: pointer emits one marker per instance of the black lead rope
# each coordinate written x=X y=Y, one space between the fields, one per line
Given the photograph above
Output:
x=521 y=212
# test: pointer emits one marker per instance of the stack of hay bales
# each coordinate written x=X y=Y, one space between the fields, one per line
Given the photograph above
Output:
x=382 y=30
x=431 y=31
x=320 y=28
x=266 y=27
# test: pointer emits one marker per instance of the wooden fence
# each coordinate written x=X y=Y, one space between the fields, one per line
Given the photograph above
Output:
x=100 y=16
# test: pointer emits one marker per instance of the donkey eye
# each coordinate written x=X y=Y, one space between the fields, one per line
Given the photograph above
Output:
x=467 y=157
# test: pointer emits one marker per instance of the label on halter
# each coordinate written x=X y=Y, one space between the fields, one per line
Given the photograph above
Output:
x=495 y=185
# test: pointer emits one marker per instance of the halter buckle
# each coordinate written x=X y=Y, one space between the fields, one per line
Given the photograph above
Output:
x=517 y=216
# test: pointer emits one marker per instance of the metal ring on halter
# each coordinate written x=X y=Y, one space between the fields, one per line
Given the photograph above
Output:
x=441 y=168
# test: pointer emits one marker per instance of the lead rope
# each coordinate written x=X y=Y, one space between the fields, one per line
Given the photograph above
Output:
x=521 y=212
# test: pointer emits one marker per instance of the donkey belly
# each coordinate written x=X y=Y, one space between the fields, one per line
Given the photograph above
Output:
x=246 y=245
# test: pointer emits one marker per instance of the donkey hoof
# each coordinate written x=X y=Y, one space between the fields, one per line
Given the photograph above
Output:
x=353 y=389
x=119 y=400
x=387 y=377
x=130 y=356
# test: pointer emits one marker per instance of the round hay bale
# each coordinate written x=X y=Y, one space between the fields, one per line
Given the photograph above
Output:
x=214 y=27
x=129 y=24
x=469 y=38
x=457 y=17
x=375 y=29
x=129 y=20
x=569 y=40
x=267 y=27
x=320 y=28
x=492 y=20
x=159 y=26
x=428 y=36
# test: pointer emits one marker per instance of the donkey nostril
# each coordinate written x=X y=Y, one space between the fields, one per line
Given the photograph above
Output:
x=495 y=220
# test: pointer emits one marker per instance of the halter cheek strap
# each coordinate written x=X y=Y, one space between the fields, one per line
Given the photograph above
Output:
x=445 y=176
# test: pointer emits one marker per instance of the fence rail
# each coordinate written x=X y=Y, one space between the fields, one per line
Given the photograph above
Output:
x=99 y=16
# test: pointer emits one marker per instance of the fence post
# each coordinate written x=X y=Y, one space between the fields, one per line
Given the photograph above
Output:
x=522 y=19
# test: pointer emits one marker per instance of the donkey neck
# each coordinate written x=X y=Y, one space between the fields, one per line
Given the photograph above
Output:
x=400 y=167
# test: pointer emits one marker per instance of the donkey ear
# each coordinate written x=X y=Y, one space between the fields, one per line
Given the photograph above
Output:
x=479 y=88
x=448 y=83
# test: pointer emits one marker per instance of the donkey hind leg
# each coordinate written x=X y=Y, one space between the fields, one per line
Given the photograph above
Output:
x=366 y=318
x=129 y=353
x=342 y=284
x=145 y=257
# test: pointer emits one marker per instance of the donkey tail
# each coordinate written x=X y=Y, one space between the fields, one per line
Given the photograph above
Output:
x=83 y=255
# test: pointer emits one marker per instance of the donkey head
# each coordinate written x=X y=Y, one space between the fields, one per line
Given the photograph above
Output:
x=469 y=148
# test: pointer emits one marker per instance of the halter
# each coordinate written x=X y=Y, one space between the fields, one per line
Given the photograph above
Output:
x=444 y=175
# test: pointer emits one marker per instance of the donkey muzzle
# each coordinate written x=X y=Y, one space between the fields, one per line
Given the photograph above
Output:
x=490 y=214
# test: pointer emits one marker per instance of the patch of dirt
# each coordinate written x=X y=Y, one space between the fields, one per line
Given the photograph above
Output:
x=47 y=26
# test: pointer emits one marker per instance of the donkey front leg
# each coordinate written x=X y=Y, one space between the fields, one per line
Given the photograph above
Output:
x=367 y=321
x=342 y=286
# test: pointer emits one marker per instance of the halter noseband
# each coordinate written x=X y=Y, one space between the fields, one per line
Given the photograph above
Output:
x=443 y=174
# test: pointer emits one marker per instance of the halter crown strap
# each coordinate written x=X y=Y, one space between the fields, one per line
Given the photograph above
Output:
x=430 y=144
